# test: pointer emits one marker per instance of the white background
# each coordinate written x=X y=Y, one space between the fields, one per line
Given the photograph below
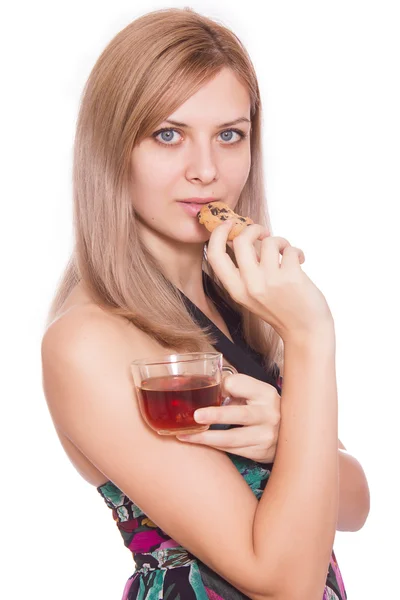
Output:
x=329 y=78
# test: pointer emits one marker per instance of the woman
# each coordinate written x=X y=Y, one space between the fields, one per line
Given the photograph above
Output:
x=171 y=112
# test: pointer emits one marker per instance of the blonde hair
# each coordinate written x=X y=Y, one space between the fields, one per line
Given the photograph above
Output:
x=143 y=75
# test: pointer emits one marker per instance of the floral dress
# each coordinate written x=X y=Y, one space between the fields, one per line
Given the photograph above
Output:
x=163 y=568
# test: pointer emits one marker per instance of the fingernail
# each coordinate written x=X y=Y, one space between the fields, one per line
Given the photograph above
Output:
x=200 y=417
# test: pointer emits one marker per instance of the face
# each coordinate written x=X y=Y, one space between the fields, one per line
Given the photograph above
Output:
x=199 y=158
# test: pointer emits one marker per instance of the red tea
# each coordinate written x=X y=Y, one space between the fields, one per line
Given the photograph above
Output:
x=170 y=401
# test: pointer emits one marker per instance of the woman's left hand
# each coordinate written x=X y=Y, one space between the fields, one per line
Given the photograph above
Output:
x=259 y=416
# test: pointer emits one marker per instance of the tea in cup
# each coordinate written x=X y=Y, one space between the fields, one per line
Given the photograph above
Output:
x=170 y=388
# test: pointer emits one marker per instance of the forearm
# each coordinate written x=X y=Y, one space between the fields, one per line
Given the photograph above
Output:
x=354 y=499
x=296 y=519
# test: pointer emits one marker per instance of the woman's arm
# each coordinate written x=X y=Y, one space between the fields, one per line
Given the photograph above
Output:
x=303 y=488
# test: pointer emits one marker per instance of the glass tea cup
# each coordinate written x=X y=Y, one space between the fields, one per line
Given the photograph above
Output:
x=171 y=387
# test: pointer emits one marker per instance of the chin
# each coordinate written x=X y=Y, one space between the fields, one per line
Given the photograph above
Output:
x=186 y=234
x=193 y=239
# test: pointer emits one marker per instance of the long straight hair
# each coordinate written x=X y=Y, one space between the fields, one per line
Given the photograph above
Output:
x=143 y=75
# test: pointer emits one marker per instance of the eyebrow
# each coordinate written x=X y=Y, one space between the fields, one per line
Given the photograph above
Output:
x=178 y=124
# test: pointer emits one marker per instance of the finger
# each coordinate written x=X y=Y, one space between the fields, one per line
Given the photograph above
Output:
x=253 y=452
x=302 y=257
x=271 y=248
x=256 y=453
x=230 y=244
x=292 y=256
x=227 y=415
x=238 y=385
x=226 y=440
x=246 y=254
x=265 y=233
x=220 y=260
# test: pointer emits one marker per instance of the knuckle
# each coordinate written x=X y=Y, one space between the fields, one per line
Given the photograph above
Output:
x=240 y=378
x=276 y=396
x=231 y=442
x=269 y=437
x=269 y=446
x=269 y=241
x=291 y=277
x=237 y=296
x=273 y=283
x=272 y=392
x=289 y=249
x=292 y=252
x=246 y=416
x=276 y=419
x=274 y=240
x=298 y=250
x=255 y=289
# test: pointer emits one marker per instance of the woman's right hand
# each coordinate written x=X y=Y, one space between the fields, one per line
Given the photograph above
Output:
x=280 y=293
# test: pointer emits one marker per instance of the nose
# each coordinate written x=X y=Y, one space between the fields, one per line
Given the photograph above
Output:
x=201 y=163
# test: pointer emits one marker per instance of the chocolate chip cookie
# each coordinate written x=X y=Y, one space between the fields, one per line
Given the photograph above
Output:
x=214 y=213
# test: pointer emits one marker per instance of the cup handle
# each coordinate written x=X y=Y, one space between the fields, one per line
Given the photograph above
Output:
x=232 y=371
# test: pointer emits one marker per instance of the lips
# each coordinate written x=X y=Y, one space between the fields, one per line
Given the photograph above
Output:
x=192 y=208
x=198 y=200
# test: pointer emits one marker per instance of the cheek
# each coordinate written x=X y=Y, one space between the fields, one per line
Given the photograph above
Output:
x=156 y=173
x=152 y=169
x=237 y=170
x=152 y=175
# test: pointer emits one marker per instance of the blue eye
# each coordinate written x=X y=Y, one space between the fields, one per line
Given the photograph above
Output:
x=169 y=131
x=229 y=131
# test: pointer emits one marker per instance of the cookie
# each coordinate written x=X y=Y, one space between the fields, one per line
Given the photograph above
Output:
x=214 y=213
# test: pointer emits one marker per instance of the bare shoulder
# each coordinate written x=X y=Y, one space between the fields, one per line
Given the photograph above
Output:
x=84 y=329
x=82 y=346
x=78 y=329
